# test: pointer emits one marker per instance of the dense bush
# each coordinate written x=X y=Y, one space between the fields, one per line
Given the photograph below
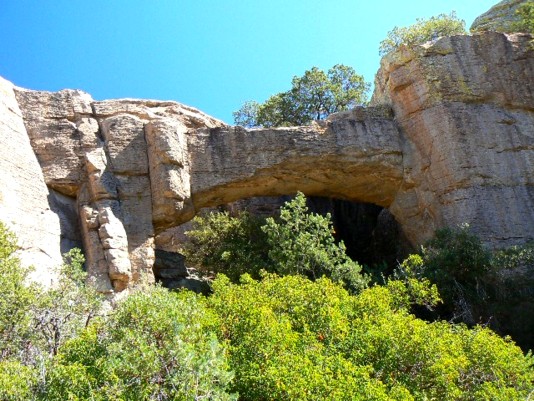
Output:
x=156 y=345
x=16 y=302
x=278 y=338
x=478 y=286
x=298 y=242
x=456 y=260
x=526 y=17
x=35 y=322
x=422 y=31
x=63 y=310
x=220 y=243
x=302 y=243
x=291 y=338
x=18 y=382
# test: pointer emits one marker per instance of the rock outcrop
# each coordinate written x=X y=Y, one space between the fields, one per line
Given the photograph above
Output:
x=449 y=139
x=465 y=105
x=500 y=18
x=45 y=221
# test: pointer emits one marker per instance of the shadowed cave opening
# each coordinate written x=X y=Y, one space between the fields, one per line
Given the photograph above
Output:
x=371 y=235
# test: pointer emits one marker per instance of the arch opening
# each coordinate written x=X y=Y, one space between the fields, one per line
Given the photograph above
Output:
x=370 y=233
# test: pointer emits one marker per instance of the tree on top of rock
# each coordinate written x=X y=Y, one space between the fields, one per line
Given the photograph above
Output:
x=422 y=31
x=313 y=96
x=525 y=13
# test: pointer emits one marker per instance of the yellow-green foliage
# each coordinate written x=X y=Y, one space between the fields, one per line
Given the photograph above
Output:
x=526 y=18
x=278 y=338
x=16 y=300
x=156 y=345
x=17 y=381
x=291 y=338
x=422 y=31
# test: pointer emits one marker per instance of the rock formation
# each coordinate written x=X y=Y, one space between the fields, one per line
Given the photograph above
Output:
x=449 y=139
x=465 y=108
x=500 y=18
x=44 y=220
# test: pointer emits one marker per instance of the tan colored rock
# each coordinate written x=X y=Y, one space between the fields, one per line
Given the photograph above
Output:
x=169 y=172
x=102 y=182
x=61 y=130
x=24 y=197
x=499 y=18
x=466 y=108
x=348 y=157
x=125 y=144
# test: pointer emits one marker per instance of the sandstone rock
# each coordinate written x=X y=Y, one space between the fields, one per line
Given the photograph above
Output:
x=467 y=116
x=169 y=172
x=125 y=144
x=344 y=158
x=61 y=130
x=102 y=182
x=114 y=241
x=24 y=197
x=499 y=18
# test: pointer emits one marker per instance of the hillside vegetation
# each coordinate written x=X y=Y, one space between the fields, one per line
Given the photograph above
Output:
x=293 y=334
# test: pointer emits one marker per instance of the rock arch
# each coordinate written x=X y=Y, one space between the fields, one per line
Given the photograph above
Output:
x=448 y=140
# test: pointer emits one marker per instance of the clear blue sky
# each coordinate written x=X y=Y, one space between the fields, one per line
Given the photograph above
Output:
x=209 y=54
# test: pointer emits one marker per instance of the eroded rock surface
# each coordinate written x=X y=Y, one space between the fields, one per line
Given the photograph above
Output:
x=466 y=108
x=449 y=140
x=40 y=219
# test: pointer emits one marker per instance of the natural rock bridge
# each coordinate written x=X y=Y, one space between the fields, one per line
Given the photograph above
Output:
x=449 y=139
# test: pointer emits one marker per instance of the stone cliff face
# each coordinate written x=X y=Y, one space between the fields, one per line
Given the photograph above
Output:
x=465 y=107
x=449 y=140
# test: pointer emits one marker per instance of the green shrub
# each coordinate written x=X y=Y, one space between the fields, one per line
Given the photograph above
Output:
x=302 y=243
x=477 y=285
x=455 y=255
x=298 y=242
x=62 y=311
x=291 y=338
x=156 y=345
x=220 y=243
x=458 y=263
x=423 y=31
x=35 y=322
x=18 y=382
x=16 y=301
x=283 y=333
x=526 y=18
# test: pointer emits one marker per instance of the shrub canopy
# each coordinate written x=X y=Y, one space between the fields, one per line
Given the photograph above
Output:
x=422 y=31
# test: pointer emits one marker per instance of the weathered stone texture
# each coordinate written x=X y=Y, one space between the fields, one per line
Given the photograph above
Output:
x=24 y=197
x=61 y=131
x=169 y=172
x=346 y=157
x=466 y=108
